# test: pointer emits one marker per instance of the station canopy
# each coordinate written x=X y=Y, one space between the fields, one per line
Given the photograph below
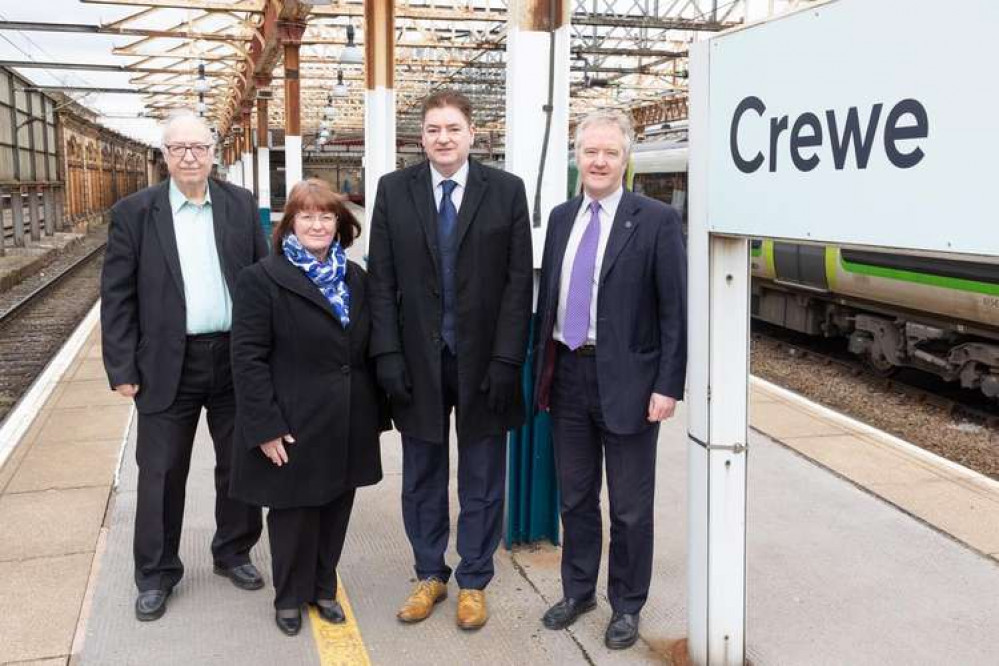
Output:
x=135 y=61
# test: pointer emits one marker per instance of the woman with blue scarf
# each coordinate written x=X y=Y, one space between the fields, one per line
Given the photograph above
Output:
x=308 y=410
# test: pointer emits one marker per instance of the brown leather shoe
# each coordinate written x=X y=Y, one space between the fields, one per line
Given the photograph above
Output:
x=422 y=599
x=472 y=612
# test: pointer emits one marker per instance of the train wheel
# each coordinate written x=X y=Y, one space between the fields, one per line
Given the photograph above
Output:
x=880 y=365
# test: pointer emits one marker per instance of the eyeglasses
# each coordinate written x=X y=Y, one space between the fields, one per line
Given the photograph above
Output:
x=324 y=218
x=198 y=150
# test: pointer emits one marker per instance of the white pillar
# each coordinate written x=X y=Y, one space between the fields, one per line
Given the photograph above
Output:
x=264 y=183
x=379 y=143
x=527 y=68
x=292 y=162
x=248 y=171
x=717 y=399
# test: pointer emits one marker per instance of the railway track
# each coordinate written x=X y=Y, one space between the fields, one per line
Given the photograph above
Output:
x=956 y=424
x=922 y=387
x=34 y=327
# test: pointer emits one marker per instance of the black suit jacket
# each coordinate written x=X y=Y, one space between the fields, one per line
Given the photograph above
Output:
x=143 y=313
x=493 y=300
x=641 y=309
x=297 y=370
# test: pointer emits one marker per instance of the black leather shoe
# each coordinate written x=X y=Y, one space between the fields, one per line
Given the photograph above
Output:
x=622 y=632
x=243 y=576
x=151 y=604
x=565 y=612
x=288 y=621
x=330 y=610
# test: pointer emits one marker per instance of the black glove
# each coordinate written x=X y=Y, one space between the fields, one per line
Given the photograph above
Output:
x=390 y=370
x=501 y=385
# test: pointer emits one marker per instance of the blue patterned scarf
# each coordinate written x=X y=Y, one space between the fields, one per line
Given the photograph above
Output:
x=327 y=275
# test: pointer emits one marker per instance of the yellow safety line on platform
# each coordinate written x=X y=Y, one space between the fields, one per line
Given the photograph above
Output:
x=339 y=644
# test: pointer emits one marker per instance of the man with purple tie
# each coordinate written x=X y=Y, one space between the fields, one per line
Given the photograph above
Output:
x=611 y=363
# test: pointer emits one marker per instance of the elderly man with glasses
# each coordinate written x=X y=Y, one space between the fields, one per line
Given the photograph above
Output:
x=174 y=252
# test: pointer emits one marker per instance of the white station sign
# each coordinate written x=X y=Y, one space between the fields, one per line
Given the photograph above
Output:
x=887 y=136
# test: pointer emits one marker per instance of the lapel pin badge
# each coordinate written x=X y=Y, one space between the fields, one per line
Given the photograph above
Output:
x=627 y=225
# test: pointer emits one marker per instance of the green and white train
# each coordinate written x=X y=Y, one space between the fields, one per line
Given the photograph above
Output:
x=895 y=309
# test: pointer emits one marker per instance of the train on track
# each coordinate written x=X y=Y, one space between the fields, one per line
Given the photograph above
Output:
x=895 y=309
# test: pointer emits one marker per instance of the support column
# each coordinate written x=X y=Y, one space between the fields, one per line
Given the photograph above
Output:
x=247 y=156
x=379 y=99
x=718 y=406
x=263 y=163
x=236 y=164
x=537 y=64
x=537 y=68
x=60 y=212
x=34 y=214
x=17 y=211
x=48 y=203
x=291 y=38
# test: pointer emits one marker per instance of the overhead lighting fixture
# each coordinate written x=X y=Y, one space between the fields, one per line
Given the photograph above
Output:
x=329 y=113
x=340 y=89
x=351 y=55
x=201 y=85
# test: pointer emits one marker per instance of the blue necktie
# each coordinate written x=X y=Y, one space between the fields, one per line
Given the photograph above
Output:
x=447 y=221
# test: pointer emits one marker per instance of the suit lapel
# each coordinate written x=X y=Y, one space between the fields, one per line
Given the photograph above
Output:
x=163 y=221
x=220 y=224
x=420 y=190
x=475 y=188
x=623 y=228
x=561 y=241
x=291 y=278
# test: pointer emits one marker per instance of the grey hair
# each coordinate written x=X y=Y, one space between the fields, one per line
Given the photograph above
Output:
x=606 y=117
x=182 y=115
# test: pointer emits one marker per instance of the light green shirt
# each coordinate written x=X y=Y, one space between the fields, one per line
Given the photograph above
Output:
x=209 y=306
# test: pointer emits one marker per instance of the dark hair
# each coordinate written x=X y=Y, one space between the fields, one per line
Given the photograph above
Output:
x=444 y=98
x=316 y=195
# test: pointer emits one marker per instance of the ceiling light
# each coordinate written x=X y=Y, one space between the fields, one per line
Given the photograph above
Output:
x=351 y=55
x=201 y=85
x=340 y=89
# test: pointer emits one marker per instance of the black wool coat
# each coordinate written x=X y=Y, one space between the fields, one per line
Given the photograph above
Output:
x=297 y=370
x=493 y=300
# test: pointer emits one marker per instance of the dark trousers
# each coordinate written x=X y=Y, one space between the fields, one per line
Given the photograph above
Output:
x=581 y=441
x=163 y=453
x=306 y=543
x=481 y=482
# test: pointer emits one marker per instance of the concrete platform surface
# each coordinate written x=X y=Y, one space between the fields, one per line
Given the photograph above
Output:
x=835 y=576
x=54 y=490
x=17 y=263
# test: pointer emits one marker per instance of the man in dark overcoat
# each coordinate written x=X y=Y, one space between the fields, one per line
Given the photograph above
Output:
x=451 y=277
x=174 y=252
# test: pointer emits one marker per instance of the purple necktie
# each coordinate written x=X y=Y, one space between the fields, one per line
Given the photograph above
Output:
x=577 y=303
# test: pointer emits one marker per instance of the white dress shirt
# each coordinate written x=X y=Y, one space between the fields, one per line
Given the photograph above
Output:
x=608 y=208
x=457 y=194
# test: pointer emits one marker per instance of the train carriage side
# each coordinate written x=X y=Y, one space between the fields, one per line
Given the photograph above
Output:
x=896 y=309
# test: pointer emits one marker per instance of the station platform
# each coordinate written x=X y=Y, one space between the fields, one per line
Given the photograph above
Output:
x=18 y=263
x=861 y=550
